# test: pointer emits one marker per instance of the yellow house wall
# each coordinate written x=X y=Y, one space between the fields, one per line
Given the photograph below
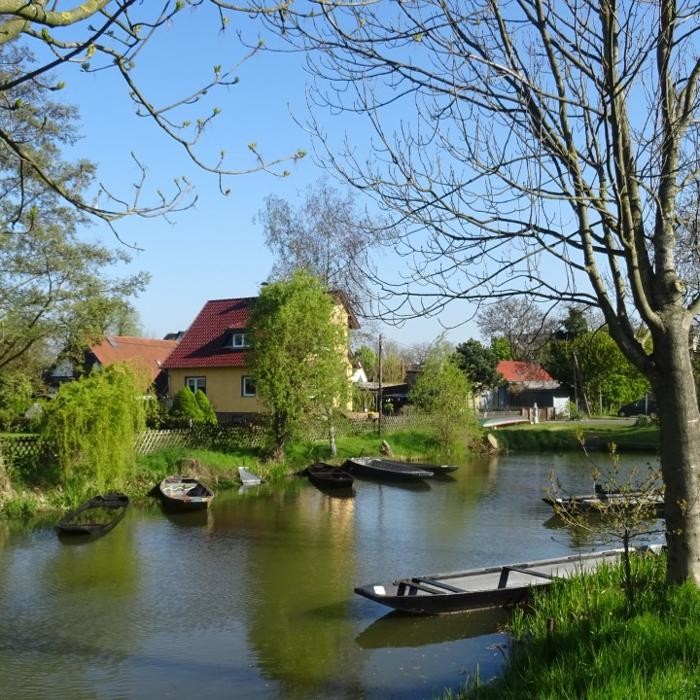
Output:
x=223 y=388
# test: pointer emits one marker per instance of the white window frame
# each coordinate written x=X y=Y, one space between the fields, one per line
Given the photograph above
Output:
x=196 y=384
x=236 y=340
x=244 y=381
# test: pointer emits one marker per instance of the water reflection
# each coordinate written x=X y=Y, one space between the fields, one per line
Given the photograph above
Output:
x=396 y=630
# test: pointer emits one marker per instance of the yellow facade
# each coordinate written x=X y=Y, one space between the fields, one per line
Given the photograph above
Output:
x=224 y=386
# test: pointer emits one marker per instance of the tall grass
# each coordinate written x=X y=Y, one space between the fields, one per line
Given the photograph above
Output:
x=597 y=648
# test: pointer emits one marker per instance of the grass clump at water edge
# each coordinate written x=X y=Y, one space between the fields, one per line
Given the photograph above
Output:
x=597 y=648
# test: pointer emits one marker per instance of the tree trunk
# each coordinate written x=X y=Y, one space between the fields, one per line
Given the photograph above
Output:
x=679 y=449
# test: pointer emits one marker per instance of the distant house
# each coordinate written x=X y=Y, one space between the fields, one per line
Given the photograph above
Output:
x=148 y=354
x=526 y=384
x=212 y=356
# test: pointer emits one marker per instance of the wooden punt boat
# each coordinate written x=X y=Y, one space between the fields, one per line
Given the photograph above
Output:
x=434 y=469
x=248 y=478
x=184 y=493
x=475 y=589
x=95 y=516
x=385 y=470
x=601 y=502
x=326 y=476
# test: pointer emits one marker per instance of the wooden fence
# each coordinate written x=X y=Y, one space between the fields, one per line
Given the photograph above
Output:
x=14 y=450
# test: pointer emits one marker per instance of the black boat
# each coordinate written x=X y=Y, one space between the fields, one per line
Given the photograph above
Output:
x=326 y=476
x=385 y=470
x=95 y=516
x=474 y=589
x=602 y=502
x=184 y=493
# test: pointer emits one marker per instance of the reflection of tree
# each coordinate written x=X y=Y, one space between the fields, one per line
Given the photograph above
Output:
x=303 y=575
x=106 y=564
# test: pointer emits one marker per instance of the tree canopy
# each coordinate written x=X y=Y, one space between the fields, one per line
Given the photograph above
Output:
x=442 y=393
x=479 y=364
x=54 y=291
x=298 y=356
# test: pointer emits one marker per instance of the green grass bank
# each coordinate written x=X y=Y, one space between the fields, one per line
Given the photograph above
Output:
x=565 y=436
x=29 y=492
x=597 y=648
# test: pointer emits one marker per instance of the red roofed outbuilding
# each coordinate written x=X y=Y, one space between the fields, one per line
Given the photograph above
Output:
x=148 y=354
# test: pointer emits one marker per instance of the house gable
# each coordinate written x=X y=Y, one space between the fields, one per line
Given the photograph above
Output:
x=206 y=342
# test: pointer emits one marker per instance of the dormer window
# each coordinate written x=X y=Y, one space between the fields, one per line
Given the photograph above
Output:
x=235 y=340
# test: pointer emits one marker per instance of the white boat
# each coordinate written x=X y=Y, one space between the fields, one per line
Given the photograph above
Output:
x=248 y=478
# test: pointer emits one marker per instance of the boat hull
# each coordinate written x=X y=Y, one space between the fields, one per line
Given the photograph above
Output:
x=382 y=470
x=76 y=523
x=184 y=494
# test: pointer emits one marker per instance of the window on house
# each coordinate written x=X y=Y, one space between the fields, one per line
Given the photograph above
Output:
x=196 y=384
x=247 y=386
x=236 y=339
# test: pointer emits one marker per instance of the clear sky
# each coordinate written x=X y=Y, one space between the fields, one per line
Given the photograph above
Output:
x=214 y=249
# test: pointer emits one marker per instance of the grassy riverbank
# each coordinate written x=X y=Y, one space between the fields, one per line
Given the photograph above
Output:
x=564 y=436
x=597 y=648
x=28 y=494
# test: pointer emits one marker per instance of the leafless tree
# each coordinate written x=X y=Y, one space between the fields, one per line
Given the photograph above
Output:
x=525 y=326
x=326 y=234
x=538 y=148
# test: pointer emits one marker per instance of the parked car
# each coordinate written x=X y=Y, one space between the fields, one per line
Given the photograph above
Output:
x=640 y=407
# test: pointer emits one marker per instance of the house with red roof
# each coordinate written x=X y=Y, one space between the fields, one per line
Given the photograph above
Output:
x=527 y=384
x=147 y=354
x=212 y=356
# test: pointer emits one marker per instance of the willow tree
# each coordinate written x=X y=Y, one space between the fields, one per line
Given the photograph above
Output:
x=537 y=148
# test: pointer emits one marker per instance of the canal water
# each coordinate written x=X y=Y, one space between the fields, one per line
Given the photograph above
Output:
x=255 y=599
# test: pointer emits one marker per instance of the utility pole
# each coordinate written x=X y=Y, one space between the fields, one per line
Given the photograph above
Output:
x=379 y=394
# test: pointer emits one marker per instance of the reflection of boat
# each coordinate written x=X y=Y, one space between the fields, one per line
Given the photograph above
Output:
x=384 y=470
x=185 y=493
x=187 y=518
x=95 y=517
x=396 y=630
x=248 y=478
x=480 y=588
x=603 y=501
x=325 y=476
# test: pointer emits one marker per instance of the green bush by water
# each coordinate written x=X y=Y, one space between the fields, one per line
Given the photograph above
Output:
x=597 y=649
x=566 y=437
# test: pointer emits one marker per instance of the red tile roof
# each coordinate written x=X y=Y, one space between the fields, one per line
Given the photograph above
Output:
x=149 y=352
x=201 y=346
x=516 y=371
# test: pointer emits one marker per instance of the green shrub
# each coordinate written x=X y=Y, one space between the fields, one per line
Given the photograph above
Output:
x=185 y=405
x=205 y=408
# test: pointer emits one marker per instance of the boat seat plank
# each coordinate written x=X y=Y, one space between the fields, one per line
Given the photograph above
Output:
x=503 y=580
x=438 y=584
x=409 y=583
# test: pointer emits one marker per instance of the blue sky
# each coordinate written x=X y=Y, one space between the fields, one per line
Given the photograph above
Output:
x=214 y=249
